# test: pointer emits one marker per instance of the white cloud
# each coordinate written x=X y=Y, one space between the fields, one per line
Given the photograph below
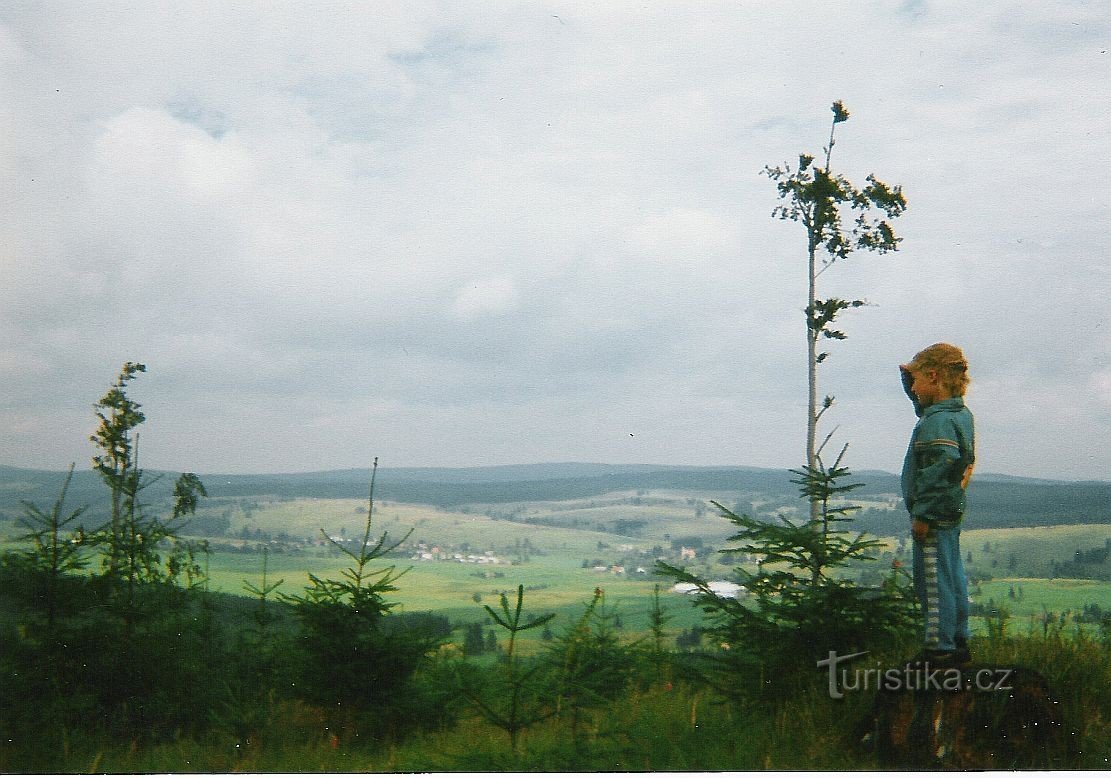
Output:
x=544 y=211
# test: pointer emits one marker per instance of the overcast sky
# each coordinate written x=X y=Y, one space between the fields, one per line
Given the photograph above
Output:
x=473 y=233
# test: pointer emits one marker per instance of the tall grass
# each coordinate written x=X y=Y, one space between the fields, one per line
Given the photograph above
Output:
x=662 y=728
x=655 y=726
x=1077 y=665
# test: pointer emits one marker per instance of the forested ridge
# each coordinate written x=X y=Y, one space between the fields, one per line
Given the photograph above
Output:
x=994 y=501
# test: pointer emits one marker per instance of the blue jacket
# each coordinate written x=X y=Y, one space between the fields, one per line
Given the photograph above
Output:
x=939 y=462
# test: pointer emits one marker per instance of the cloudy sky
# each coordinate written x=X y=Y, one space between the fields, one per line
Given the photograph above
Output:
x=472 y=233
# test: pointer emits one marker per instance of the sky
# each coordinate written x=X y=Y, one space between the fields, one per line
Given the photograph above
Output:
x=474 y=233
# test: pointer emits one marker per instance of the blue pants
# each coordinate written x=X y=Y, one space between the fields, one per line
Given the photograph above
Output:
x=942 y=588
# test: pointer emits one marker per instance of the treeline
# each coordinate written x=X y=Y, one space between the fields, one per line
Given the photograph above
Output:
x=992 y=503
x=453 y=494
x=997 y=504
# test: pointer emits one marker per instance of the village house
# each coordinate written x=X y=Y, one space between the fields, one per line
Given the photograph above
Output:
x=726 y=589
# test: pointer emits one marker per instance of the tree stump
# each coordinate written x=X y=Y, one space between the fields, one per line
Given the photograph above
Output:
x=979 y=718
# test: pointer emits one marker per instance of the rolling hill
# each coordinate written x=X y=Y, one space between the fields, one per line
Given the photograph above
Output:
x=995 y=501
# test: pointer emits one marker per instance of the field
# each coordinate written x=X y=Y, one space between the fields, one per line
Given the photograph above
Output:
x=1030 y=551
x=547 y=560
x=552 y=584
x=1037 y=596
x=561 y=551
x=553 y=548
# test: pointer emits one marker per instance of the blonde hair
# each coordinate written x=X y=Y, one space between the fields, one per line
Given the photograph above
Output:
x=950 y=364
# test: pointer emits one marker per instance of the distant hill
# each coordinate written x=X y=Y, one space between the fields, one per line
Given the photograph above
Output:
x=995 y=500
x=459 y=486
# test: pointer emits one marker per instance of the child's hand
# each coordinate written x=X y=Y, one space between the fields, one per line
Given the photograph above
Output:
x=920 y=529
x=905 y=377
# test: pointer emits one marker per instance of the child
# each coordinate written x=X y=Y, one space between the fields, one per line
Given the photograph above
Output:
x=936 y=472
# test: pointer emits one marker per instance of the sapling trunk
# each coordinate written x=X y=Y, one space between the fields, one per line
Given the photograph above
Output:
x=815 y=197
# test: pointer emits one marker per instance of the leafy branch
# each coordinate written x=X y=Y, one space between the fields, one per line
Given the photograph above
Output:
x=822 y=201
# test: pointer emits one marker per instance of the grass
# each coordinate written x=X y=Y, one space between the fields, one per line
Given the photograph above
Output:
x=670 y=514
x=1032 y=549
x=555 y=578
x=1041 y=595
x=658 y=727
x=661 y=728
x=1078 y=666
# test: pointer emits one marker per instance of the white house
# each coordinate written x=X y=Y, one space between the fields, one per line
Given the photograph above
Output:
x=720 y=588
x=727 y=589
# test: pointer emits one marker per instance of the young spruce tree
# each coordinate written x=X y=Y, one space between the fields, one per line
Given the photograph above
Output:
x=351 y=662
x=509 y=695
x=56 y=553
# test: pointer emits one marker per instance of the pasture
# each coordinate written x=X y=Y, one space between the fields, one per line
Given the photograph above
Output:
x=1030 y=551
x=568 y=536
x=553 y=547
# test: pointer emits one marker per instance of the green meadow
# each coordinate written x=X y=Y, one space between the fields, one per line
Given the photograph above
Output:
x=550 y=547
x=562 y=536
x=1036 y=596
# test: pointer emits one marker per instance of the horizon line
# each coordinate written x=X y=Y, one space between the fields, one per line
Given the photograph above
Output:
x=988 y=476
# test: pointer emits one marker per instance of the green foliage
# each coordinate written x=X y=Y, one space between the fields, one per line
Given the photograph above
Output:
x=588 y=665
x=1077 y=665
x=348 y=661
x=821 y=201
x=262 y=615
x=121 y=652
x=119 y=415
x=796 y=608
x=57 y=550
x=661 y=729
x=187 y=491
x=658 y=619
x=818 y=198
x=132 y=542
x=181 y=684
x=248 y=693
x=509 y=695
x=474 y=644
x=90 y=672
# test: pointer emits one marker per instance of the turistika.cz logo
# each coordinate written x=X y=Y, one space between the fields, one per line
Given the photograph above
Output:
x=911 y=677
